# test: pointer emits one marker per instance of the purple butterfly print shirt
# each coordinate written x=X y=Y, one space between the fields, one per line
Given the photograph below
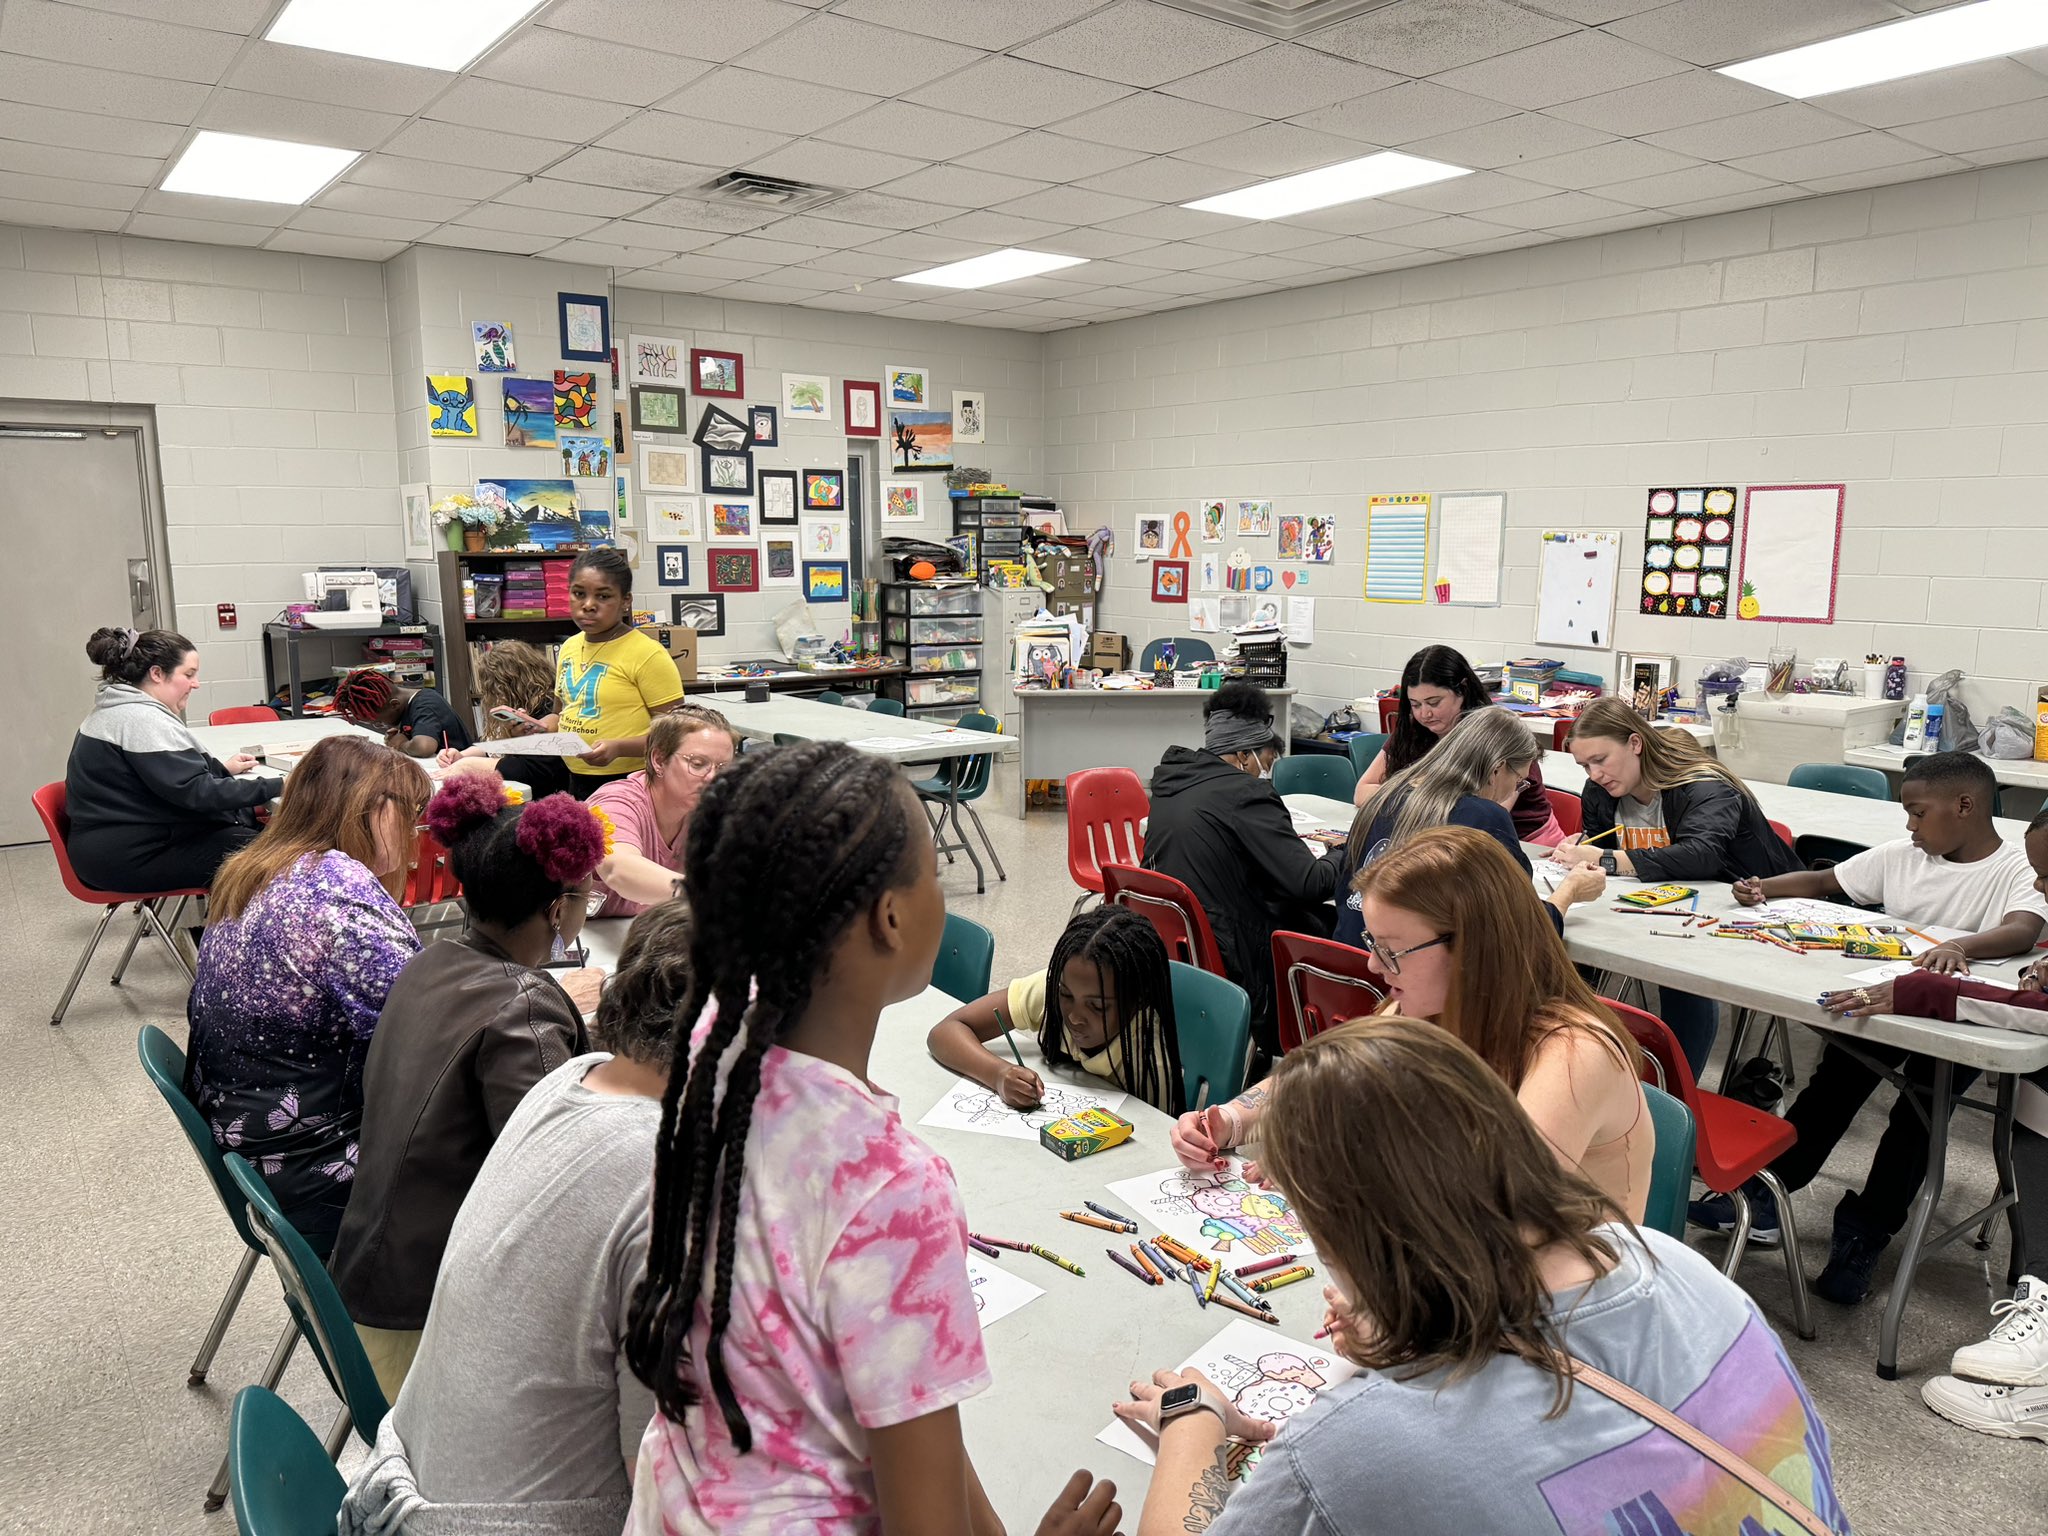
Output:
x=280 y=1019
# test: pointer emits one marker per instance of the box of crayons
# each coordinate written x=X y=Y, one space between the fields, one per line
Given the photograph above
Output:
x=1090 y=1131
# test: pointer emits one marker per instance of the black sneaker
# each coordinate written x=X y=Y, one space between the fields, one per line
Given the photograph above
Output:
x=1852 y=1260
x=1717 y=1214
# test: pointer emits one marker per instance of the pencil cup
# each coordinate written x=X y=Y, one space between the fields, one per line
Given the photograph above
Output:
x=1873 y=682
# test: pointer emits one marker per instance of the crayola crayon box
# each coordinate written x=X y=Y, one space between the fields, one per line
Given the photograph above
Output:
x=1089 y=1132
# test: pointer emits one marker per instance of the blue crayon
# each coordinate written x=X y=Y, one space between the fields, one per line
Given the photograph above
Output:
x=1194 y=1280
x=1166 y=1266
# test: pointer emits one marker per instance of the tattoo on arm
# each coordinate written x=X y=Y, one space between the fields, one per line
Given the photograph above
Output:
x=1205 y=1498
x=1253 y=1098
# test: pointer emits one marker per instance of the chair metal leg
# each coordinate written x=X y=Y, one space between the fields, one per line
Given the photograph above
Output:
x=222 y=1316
x=1795 y=1271
x=975 y=816
x=337 y=1433
x=170 y=944
x=1080 y=902
x=273 y=1373
x=78 y=970
x=1938 y=1105
x=950 y=815
x=134 y=938
x=1738 y=1240
x=2001 y=1157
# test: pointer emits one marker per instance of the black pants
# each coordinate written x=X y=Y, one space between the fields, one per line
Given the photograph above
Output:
x=1828 y=1105
x=546 y=775
x=108 y=858
x=2030 y=1173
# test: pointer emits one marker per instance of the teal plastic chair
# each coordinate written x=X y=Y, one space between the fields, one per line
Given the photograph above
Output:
x=284 y=1483
x=886 y=707
x=1671 y=1164
x=1842 y=779
x=967 y=954
x=959 y=782
x=1364 y=747
x=1213 y=1019
x=1186 y=648
x=1315 y=773
x=829 y=697
x=788 y=738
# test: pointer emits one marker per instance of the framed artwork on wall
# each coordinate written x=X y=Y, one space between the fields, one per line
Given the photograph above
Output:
x=863 y=408
x=723 y=374
x=657 y=410
x=656 y=360
x=672 y=562
x=824 y=490
x=666 y=469
x=907 y=385
x=704 y=614
x=730 y=472
x=733 y=569
x=766 y=427
x=722 y=430
x=585 y=320
x=808 y=395
x=779 y=563
x=1169 y=581
x=825 y=581
x=777 y=493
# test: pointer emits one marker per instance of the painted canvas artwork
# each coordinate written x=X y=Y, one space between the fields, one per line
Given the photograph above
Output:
x=544 y=511
x=493 y=346
x=921 y=440
x=575 y=399
x=452 y=400
x=529 y=413
x=586 y=458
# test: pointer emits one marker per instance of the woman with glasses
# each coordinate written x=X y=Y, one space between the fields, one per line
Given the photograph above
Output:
x=1472 y=779
x=651 y=808
x=1457 y=937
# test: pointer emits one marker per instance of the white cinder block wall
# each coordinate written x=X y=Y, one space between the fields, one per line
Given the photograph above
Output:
x=1895 y=339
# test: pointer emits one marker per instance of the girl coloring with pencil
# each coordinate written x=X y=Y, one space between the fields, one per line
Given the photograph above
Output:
x=806 y=1321
x=1104 y=1004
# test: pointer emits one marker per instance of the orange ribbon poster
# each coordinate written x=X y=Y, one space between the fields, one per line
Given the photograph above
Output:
x=1181 y=524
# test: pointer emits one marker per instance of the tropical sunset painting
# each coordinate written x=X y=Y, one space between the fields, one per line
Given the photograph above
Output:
x=921 y=439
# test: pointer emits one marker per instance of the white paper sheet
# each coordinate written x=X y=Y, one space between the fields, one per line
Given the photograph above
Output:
x=1301 y=621
x=1790 y=539
x=997 y=1292
x=549 y=744
x=1215 y=1213
x=1891 y=970
x=1205 y=615
x=1575 y=588
x=968 y=1106
x=885 y=743
x=1470 y=530
x=1268 y=1375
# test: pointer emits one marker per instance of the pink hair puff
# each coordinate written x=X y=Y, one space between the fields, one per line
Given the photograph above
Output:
x=559 y=833
x=465 y=799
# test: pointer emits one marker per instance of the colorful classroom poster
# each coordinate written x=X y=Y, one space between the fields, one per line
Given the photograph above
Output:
x=1215 y=1212
x=997 y=1292
x=1688 y=540
x=968 y=1106
x=1791 y=547
x=1396 y=547
x=1471 y=527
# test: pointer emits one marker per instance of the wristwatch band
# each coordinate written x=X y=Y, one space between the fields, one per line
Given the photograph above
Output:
x=1209 y=1401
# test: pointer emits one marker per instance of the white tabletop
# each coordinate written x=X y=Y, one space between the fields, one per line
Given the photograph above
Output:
x=922 y=740
x=258 y=736
x=2022 y=772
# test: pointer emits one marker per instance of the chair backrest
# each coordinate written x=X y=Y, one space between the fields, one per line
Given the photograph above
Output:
x=829 y=697
x=242 y=714
x=1784 y=833
x=430 y=881
x=1818 y=851
x=970 y=775
x=1213 y=1019
x=1171 y=908
x=314 y=1302
x=885 y=707
x=1105 y=809
x=1186 y=648
x=1390 y=709
x=1842 y=779
x=1661 y=1048
x=279 y=1476
x=966 y=955
x=788 y=738
x=1364 y=746
x=165 y=1064
x=1569 y=810
x=1561 y=733
x=1671 y=1164
x=1315 y=773
x=1320 y=984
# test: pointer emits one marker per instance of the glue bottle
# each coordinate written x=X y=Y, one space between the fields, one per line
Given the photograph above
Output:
x=1915 y=739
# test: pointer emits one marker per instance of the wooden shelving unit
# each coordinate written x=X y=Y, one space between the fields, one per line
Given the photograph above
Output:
x=458 y=631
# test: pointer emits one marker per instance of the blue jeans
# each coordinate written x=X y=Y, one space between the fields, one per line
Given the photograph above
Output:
x=1693 y=1020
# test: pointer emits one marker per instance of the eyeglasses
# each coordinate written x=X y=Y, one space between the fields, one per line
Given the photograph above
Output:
x=1390 y=959
x=701 y=767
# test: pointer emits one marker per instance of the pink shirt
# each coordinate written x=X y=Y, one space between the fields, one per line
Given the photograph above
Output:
x=851 y=1311
x=630 y=804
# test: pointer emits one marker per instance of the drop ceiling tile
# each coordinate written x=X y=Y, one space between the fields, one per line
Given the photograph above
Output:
x=1352 y=251
x=639 y=173
x=807 y=282
x=464 y=237
x=1170 y=223
x=619 y=258
x=1282 y=81
x=1837 y=157
x=1696 y=96
x=1049 y=287
x=105 y=92
x=1426 y=37
x=809 y=229
x=302 y=122
x=352 y=197
x=306 y=243
x=1096 y=243
x=1403 y=113
x=1075 y=205
x=339 y=79
x=453 y=144
x=366 y=226
x=1154 y=123
x=637 y=234
x=910 y=245
x=15 y=210
x=1687 y=186
x=704 y=29
x=1596 y=13
x=2005 y=154
x=956 y=184
x=1621 y=160
x=1784 y=126
x=758 y=292
x=858 y=264
x=692 y=140
x=886 y=211
x=66 y=192
x=1989 y=129
x=573 y=197
x=1944 y=93
x=1003 y=229
x=903 y=124
x=694 y=213
x=539 y=221
x=157 y=226
x=1261 y=269
x=42 y=29
x=1186 y=256
x=1468 y=194
x=1141 y=44
x=1889 y=175
x=548 y=60
x=525 y=109
x=1007 y=90
x=1440 y=234
x=87 y=130
x=991 y=24
x=80 y=164
x=1162 y=178
x=832 y=165
x=847 y=303
x=1507 y=143
x=239 y=17
x=410 y=175
x=1728 y=31
x=1521 y=239
x=654 y=280
x=731 y=95
x=833 y=47
x=1263 y=237
x=1566 y=68
x=1557 y=210
x=1050 y=157
x=778 y=253
x=1273 y=149
x=1367 y=216
x=216 y=210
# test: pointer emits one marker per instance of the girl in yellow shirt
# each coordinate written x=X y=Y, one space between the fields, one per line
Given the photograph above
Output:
x=611 y=678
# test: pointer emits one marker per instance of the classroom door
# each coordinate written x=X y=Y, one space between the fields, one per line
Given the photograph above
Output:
x=80 y=554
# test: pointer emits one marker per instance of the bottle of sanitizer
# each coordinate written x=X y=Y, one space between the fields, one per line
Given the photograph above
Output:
x=1915 y=739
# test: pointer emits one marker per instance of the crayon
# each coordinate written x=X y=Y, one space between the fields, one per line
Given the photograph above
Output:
x=1165 y=1265
x=1138 y=1252
x=990 y=1249
x=1209 y=1290
x=1279 y=1262
x=1090 y=1221
x=1067 y=1264
x=1254 y=1313
x=1237 y=1288
x=1108 y=1215
x=1181 y=1251
x=1001 y=1242
x=1194 y=1280
x=1273 y=1282
x=1125 y=1263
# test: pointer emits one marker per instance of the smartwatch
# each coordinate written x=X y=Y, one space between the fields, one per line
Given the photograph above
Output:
x=1609 y=863
x=1176 y=1402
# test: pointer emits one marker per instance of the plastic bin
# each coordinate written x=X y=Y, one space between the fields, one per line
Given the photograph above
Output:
x=945 y=658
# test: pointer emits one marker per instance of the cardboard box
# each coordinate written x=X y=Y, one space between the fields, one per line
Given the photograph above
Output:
x=2041 y=724
x=1107 y=651
x=680 y=641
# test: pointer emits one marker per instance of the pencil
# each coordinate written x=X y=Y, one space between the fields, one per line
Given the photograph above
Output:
x=1124 y=1263
x=1138 y=1252
x=1251 y=1312
x=1010 y=1039
x=1584 y=841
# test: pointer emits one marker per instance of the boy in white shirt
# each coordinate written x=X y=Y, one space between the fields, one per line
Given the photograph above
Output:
x=1952 y=871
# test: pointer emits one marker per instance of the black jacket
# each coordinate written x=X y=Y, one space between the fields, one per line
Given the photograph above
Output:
x=1228 y=837
x=465 y=1032
x=1717 y=833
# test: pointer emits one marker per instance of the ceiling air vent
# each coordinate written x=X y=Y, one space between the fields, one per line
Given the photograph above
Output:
x=1284 y=19
x=770 y=194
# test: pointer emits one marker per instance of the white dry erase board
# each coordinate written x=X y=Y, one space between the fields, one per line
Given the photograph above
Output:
x=1469 y=530
x=1575 y=580
x=1791 y=544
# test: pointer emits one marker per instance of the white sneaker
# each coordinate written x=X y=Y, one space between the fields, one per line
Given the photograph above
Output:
x=2016 y=1354
x=2011 y=1413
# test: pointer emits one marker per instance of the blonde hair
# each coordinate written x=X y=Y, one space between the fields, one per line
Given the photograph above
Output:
x=1670 y=757
x=667 y=731
x=514 y=675
x=1428 y=789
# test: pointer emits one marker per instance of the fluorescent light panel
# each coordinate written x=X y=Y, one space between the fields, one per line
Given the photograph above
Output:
x=1962 y=34
x=1345 y=182
x=1004 y=266
x=434 y=34
x=256 y=170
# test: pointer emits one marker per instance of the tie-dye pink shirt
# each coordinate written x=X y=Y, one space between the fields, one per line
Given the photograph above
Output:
x=851 y=1311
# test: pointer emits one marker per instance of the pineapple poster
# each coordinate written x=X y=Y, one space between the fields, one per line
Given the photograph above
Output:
x=1688 y=549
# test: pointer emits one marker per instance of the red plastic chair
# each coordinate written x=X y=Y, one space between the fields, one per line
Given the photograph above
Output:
x=1390 y=709
x=1561 y=733
x=1735 y=1142
x=243 y=714
x=1569 y=810
x=1105 y=809
x=53 y=805
x=1170 y=907
x=430 y=882
x=1320 y=984
x=1783 y=831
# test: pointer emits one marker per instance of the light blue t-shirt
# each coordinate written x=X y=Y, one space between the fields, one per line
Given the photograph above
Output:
x=1426 y=1455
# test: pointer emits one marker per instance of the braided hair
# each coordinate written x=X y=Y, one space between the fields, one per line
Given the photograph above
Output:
x=786 y=851
x=364 y=695
x=1131 y=954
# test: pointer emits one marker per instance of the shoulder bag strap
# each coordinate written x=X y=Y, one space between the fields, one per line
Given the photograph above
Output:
x=1734 y=1465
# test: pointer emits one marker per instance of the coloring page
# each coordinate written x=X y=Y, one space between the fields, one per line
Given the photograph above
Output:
x=997 y=1292
x=1268 y=1376
x=968 y=1106
x=1215 y=1213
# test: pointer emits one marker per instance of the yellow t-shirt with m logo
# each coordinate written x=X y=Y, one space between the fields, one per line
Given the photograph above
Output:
x=611 y=690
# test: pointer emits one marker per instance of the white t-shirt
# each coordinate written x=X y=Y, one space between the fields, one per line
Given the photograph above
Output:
x=1930 y=892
